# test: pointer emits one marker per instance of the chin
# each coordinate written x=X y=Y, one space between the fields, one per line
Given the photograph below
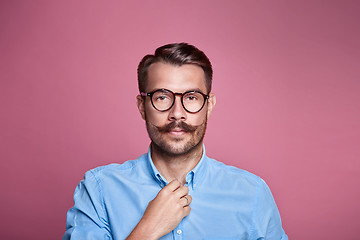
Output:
x=176 y=148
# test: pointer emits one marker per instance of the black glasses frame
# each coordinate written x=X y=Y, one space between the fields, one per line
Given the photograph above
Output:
x=150 y=94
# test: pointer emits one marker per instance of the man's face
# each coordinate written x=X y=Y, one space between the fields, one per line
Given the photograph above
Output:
x=175 y=132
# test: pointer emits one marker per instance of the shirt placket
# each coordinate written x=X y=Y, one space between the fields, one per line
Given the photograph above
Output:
x=178 y=232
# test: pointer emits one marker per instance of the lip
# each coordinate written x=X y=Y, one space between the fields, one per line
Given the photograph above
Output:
x=177 y=131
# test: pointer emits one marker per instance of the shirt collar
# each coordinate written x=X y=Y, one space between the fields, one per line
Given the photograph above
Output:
x=154 y=172
x=193 y=178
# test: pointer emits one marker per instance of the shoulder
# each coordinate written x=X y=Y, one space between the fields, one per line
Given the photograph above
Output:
x=126 y=169
x=233 y=175
x=231 y=171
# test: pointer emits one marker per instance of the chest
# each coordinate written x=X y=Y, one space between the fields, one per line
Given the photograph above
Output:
x=215 y=213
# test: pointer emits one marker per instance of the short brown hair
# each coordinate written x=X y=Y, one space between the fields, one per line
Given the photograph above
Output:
x=176 y=54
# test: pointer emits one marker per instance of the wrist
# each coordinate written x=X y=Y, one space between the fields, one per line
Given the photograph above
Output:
x=143 y=231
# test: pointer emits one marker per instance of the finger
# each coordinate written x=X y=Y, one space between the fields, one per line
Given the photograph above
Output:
x=173 y=185
x=189 y=198
x=186 y=211
x=186 y=200
x=181 y=191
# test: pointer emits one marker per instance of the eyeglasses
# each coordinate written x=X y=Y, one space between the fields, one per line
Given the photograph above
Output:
x=163 y=99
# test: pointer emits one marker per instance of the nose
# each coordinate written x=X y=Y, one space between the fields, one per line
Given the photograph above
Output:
x=177 y=112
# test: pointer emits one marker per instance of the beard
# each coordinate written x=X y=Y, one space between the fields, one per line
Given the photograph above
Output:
x=173 y=145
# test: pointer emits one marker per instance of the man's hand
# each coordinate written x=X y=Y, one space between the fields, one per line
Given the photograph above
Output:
x=164 y=212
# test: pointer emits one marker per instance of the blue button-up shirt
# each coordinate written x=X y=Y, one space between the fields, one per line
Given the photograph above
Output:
x=228 y=203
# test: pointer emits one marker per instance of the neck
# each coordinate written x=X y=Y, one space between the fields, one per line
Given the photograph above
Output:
x=176 y=166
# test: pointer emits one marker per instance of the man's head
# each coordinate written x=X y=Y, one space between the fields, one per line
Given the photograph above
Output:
x=175 y=99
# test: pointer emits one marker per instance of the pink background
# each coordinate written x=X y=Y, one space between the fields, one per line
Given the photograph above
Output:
x=287 y=84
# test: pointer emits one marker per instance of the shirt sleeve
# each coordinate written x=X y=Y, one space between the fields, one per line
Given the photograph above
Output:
x=266 y=218
x=87 y=219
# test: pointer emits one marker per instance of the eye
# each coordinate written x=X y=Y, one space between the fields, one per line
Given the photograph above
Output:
x=161 y=98
x=191 y=98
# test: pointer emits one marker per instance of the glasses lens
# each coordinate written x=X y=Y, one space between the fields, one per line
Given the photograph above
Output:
x=162 y=100
x=193 y=101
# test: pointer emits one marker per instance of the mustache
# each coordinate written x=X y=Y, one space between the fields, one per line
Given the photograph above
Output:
x=180 y=125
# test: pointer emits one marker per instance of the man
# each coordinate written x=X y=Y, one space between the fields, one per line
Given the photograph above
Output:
x=174 y=191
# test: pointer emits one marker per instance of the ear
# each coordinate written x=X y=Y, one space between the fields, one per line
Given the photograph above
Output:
x=141 y=105
x=211 y=104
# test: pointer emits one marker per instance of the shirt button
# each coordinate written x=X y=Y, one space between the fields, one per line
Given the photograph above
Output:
x=179 y=232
